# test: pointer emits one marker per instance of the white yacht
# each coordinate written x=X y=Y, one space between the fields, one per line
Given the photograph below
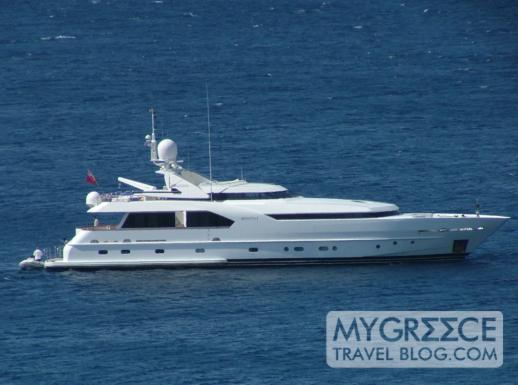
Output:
x=197 y=221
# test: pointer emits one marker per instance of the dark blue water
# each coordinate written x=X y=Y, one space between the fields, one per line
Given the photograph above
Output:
x=411 y=102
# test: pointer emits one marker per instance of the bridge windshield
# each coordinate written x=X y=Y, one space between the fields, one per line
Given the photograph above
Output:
x=251 y=195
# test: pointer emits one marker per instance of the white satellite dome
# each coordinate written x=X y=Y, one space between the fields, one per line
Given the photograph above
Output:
x=93 y=199
x=167 y=150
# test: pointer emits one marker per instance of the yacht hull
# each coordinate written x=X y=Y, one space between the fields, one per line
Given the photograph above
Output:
x=438 y=237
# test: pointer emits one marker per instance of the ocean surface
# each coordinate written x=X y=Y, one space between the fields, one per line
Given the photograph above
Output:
x=411 y=102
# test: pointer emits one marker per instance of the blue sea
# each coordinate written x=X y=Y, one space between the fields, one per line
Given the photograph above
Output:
x=408 y=101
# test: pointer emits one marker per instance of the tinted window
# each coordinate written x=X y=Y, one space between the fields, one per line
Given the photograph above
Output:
x=252 y=195
x=333 y=215
x=149 y=220
x=207 y=219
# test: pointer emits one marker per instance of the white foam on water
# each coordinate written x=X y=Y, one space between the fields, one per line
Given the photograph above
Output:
x=58 y=37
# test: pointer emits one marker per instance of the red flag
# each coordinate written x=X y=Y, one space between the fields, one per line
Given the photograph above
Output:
x=90 y=178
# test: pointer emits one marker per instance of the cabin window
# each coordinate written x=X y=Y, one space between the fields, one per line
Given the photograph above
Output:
x=200 y=250
x=323 y=248
x=105 y=220
x=251 y=195
x=333 y=215
x=253 y=249
x=125 y=251
x=149 y=220
x=159 y=251
x=298 y=248
x=206 y=219
x=103 y=252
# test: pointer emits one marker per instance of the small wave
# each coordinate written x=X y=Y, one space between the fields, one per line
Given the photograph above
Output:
x=58 y=37
x=358 y=27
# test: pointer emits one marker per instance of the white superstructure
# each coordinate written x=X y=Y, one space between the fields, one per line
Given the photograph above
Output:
x=193 y=220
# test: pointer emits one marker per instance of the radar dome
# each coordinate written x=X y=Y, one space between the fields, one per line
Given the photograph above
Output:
x=167 y=150
x=93 y=199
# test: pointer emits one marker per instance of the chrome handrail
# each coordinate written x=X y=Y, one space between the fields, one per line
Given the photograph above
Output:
x=53 y=252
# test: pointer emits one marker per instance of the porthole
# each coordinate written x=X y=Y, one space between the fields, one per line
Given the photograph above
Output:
x=253 y=249
x=200 y=250
x=159 y=251
x=335 y=248
x=286 y=248
x=378 y=246
x=412 y=242
x=103 y=252
x=323 y=248
x=394 y=243
x=125 y=251
x=298 y=248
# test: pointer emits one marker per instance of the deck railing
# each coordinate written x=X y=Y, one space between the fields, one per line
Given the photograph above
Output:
x=53 y=252
x=99 y=228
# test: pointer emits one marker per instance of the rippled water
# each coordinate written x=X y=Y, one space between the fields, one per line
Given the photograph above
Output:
x=406 y=102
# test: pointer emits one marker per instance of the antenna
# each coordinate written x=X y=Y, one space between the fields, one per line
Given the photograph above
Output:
x=210 y=144
x=152 y=141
